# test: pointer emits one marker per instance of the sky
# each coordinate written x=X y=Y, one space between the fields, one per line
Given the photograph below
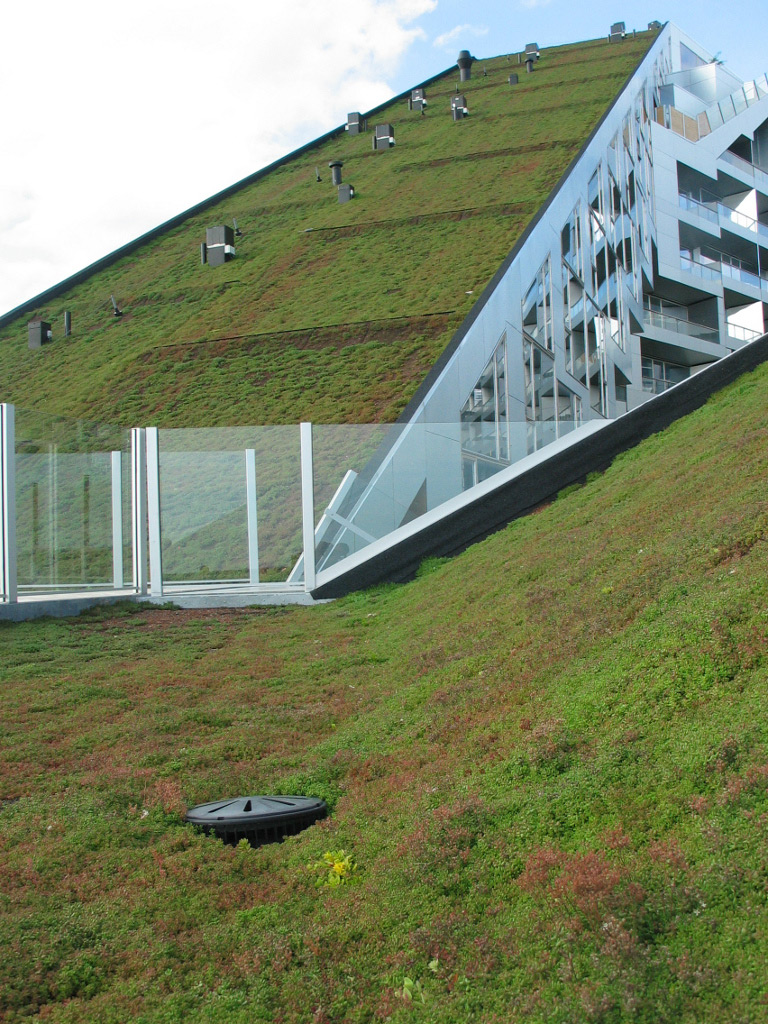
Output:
x=117 y=116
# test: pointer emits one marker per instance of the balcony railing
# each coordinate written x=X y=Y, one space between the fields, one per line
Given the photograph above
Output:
x=713 y=210
x=668 y=322
x=738 y=101
x=718 y=265
x=739 y=333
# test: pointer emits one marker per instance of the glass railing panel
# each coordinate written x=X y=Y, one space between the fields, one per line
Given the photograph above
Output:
x=709 y=271
x=739 y=333
x=727 y=108
x=739 y=101
x=67 y=526
x=666 y=322
x=750 y=92
x=687 y=202
x=735 y=217
x=204 y=503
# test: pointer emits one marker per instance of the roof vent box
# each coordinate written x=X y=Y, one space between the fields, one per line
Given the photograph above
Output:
x=38 y=333
x=459 y=108
x=346 y=192
x=384 y=136
x=418 y=100
x=618 y=31
x=532 y=50
x=356 y=124
x=219 y=245
x=513 y=79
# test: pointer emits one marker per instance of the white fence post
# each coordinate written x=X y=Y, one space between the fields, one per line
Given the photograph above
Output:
x=117 y=520
x=253 y=521
x=139 y=509
x=153 y=513
x=9 y=591
x=308 y=506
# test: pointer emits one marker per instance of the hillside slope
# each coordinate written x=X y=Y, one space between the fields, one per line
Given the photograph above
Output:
x=329 y=312
x=547 y=757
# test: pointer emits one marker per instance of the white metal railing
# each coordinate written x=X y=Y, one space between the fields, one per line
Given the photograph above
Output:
x=740 y=333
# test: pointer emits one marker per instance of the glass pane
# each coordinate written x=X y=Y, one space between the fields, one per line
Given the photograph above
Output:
x=65 y=526
x=204 y=503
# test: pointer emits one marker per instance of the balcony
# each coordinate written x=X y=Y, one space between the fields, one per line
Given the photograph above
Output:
x=713 y=265
x=668 y=316
x=713 y=210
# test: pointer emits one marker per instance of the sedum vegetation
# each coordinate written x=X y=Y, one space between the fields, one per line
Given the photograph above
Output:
x=546 y=762
x=333 y=313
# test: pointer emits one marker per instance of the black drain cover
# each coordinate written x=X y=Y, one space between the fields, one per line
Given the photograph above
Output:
x=259 y=819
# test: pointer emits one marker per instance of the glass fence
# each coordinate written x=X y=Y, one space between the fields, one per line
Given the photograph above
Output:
x=230 y=504
x=73 y=503
x=101 y=507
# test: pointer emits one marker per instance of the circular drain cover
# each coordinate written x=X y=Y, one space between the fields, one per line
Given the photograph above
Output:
x=259 y=819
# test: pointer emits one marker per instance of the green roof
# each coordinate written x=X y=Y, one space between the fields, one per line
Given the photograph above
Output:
x=330 y=312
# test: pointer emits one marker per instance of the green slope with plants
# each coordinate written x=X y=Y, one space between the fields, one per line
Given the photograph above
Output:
x=546 y=762
x=330 y=312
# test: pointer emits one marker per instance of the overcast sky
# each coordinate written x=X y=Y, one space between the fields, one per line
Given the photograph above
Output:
x=116 y=116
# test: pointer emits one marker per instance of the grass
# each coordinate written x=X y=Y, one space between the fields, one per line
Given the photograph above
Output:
x=547 y=759
x=330 y=312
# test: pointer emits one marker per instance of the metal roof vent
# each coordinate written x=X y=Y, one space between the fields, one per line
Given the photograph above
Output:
x=238 y=232
x=38 y=333
x=654 y=26
x=257 y=819
x=464 y=61
x=67 y=323
x=532 y=50
x=355 y=125
x=513 y=79
x=219 y=245
x=529 y=65
x=346 y=192
x=336 y=166
x=459 y=108
x=618 y=32
x=384 y=136
x=116 y=311
x=418 y=100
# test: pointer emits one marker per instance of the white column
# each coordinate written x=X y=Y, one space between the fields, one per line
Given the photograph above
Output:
x=9 y=590
x=139 y=509
x=308 y=506
x=153 y=513
x=253 y=522
x=117 y=520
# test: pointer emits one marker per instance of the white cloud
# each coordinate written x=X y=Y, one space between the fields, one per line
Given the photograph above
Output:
x=124 y=115
x=531 y=4
x=460 y=32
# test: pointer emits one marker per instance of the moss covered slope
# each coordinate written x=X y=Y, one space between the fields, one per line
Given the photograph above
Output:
x=330 y=312
x=548 y=758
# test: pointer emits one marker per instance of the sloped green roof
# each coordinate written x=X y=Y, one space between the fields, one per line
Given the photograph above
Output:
x=329 y=312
